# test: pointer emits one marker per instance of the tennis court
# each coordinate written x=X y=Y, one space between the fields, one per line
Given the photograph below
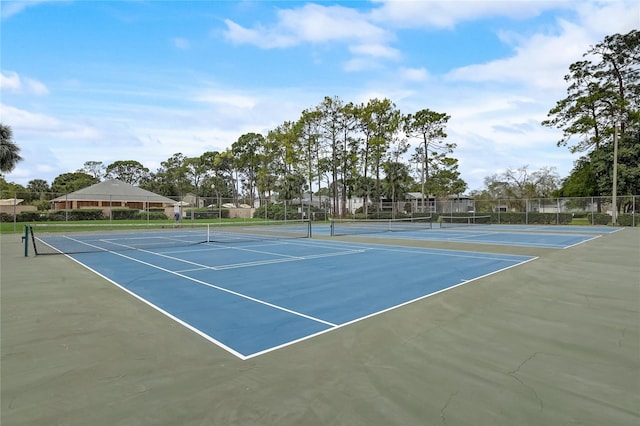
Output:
x=250 y=293
x=549 y=341
x=540 y=236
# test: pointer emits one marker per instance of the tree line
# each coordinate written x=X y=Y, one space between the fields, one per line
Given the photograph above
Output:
x=341 y=149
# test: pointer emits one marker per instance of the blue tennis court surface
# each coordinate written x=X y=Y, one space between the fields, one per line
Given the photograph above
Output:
x=552 y=236
x=251 y=298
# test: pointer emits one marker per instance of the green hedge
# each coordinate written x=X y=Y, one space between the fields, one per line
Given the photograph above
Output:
x=600 y=219
x=626 y=219
x=134 y=214
x=277 y=212
x=207 y=214
x=82 y=214
x=59 y=215
x=532 y=218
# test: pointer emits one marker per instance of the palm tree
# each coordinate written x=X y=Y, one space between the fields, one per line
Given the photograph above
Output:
x=8 y=149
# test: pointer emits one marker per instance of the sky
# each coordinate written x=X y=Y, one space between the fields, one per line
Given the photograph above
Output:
x=142 y=80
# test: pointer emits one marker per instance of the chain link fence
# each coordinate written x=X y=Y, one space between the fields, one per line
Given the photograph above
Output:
x=558 y=211
x=18 y=207
x=47 y=206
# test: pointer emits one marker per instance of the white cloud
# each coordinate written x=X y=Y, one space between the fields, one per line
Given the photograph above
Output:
x=447 y=14
x=20 y=118
x=261 y=37
x=541 y=60
x=414 y=74
x=359 y=64
x=181 y=43
x=375 y=50
x=314 y=24
x=223 y=99
x=12 y=82
x=35 y=87
x=13 y=7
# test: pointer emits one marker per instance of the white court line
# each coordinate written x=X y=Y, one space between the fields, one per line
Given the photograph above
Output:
x=226 y=290
x=385 y=310
x=200 y=266
x=416 y=250
x=332 y=326
x=582 y=242
x=464 y=239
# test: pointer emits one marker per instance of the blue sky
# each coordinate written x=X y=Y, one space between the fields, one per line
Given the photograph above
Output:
x=141 y=80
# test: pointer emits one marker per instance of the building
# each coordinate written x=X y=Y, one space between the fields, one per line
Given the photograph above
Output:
x=113 y=194
x=431 y=204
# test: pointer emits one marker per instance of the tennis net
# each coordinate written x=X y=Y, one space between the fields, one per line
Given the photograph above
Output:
x=457 y=221
x=373 y=226
x=85 y=238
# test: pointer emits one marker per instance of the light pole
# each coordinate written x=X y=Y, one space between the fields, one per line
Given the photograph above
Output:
x=614 y=192
x=213 y=187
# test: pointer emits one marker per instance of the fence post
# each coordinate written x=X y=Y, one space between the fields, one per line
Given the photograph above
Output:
x=15 y=214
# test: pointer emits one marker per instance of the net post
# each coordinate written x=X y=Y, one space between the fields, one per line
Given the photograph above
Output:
x=309 y=225
x=25 y=238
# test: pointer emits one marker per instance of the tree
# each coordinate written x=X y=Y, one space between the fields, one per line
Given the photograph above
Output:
x=170 y=179
x=93 y=168
x=38 y=188
x=628 y=166
x=519 y=185
x=9 y=150
x=546 y=182
x=379 y=120
x=329 y=112
x=129 y=171
x=71 y=182
x=10 y=189
x=224 y=169
x=603 y=97
x=581 y=182
x=397 y=181
x=196 y=170
x=429 y=128
x=246 y=153
x=214 y=182
x=445 y=178
x=291 y=186
x=600 y=93
x=310 y=152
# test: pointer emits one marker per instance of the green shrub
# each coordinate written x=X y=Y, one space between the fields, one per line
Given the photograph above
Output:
x=626 y=219
x=207 y=214
x=152 y=215
x=600 y=219
x=125 y=214
x=29 y=216
x=277 y=212
x=508 y=217
x=532 y=218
